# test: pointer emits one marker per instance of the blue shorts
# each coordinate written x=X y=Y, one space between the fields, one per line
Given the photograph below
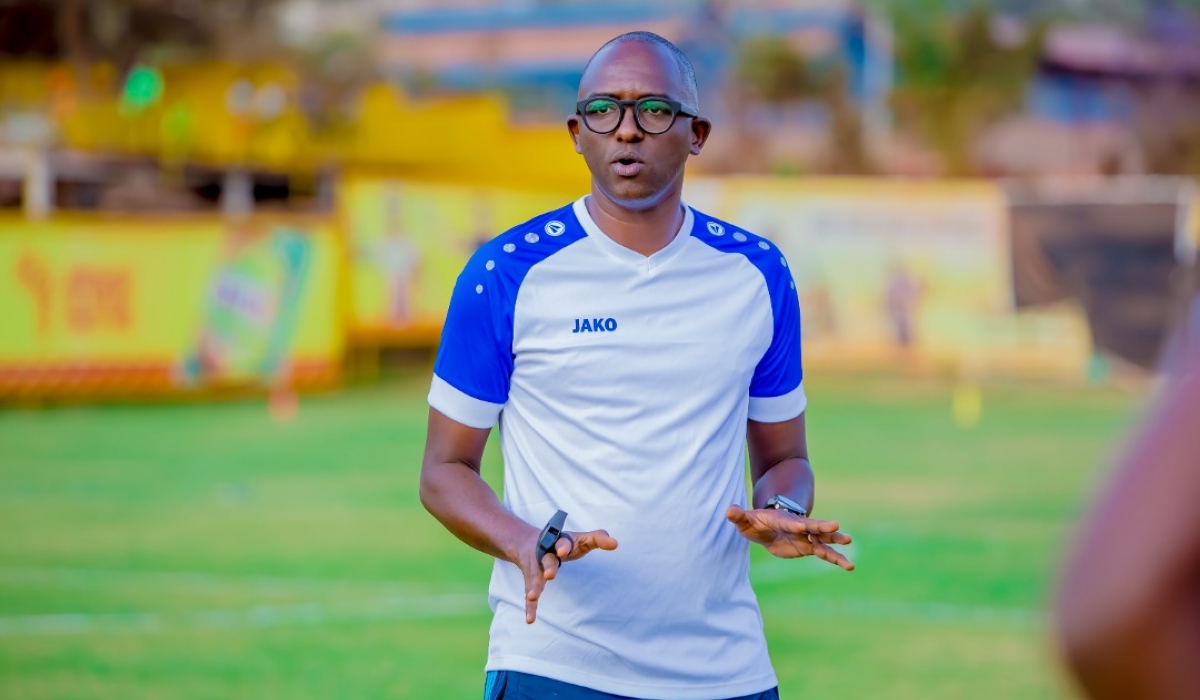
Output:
x=513 y=685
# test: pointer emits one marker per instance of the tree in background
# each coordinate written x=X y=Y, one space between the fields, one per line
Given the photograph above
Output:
x=774 y=72
x=1166 y=105
x=1167 y=130
x=770 y=71
x=130 y=38
x=957 y=74
x=336 y=67
x=124 y=33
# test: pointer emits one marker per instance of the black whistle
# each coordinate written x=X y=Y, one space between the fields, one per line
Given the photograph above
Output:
x=550 y=535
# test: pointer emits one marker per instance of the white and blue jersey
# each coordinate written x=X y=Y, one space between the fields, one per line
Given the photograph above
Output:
x=622 y=384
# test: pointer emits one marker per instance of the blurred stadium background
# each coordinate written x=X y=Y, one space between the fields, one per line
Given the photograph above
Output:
x=229 y=230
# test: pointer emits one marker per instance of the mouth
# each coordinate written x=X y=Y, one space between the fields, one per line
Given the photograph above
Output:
x=627 y=164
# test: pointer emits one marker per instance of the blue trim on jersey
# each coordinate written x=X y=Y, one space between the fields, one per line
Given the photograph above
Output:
x=475 y=355
x=779 y=372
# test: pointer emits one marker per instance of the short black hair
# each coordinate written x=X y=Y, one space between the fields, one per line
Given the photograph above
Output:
x=692 y=93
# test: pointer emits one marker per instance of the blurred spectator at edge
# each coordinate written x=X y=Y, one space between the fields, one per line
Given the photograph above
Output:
x=1128 y=605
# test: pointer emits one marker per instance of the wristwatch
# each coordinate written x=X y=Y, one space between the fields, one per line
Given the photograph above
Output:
x=784 y=503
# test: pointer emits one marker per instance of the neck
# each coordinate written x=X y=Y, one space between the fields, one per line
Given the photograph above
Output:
x=644 y=226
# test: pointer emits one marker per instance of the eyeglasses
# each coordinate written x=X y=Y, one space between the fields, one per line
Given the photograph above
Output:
x=654 y=115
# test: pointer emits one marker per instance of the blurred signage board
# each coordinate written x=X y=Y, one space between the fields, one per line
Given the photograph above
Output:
x=899 y=273
x=137 y=306
x=407 y=240
x=1116 y=247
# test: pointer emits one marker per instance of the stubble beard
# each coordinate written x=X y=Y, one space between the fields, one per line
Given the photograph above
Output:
x=644 y=202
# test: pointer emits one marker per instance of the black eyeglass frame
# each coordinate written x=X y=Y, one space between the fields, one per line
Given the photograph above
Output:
x=677 y=107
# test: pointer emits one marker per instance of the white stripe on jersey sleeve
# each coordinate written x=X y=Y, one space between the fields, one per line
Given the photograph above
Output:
x=468 y=410
x=776 y=409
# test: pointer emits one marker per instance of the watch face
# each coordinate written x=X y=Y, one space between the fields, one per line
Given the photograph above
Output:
x=785 y=503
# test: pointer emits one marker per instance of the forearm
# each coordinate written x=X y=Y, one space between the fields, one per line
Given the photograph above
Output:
x=461 y=500
x=779 y=461
x=790 y=477
x=1156 y=661
x=1130 y=596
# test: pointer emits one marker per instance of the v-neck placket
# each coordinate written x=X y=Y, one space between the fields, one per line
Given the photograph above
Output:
x=645 y=264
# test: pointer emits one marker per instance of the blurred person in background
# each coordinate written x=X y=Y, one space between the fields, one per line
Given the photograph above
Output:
x=630 y=347
x=1128 y=607
x=902 y=296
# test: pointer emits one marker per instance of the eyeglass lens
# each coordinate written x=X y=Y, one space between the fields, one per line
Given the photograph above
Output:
x=603 y=115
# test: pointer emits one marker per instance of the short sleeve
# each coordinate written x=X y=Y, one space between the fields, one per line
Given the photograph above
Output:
x=474 y=365
x=474 y=360
x=777 y=386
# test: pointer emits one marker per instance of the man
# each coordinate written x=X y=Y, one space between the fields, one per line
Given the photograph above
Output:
x=1129 y=603
x=630 y=347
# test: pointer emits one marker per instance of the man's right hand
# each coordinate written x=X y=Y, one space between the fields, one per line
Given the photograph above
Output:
x=538 y=573
x=453 y=491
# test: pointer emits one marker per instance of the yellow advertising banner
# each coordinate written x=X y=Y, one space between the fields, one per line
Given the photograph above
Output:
x=407 y=241
x=895 y=272
x=125 y=306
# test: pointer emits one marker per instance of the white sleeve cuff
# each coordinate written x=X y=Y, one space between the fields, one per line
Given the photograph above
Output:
x=777 y=409
x=468 y=410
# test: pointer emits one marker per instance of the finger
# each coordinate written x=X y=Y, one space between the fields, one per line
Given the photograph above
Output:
x=737 y=515
x=811 y=526
x=597 y=539
x=832 y=556
x=824 y=526
x=550 y=564
x=793 y=547
x=534 y=584
x=564 y=546
x=831 y=538
x=586 y=542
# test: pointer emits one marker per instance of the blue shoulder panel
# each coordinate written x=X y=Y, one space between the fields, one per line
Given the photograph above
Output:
x=475 y=355
x=779 y=371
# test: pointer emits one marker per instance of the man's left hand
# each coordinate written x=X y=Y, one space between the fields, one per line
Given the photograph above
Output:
x=789 y=536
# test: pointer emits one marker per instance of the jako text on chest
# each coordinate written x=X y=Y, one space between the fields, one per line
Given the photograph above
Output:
x=595 y=325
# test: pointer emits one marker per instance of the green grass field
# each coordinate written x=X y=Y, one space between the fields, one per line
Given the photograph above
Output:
x=204 y=551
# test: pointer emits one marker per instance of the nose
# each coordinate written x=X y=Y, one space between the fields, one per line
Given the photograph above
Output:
x=629 y=130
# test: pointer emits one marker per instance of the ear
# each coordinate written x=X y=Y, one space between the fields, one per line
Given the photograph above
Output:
x=573 y=129
x=701 y=128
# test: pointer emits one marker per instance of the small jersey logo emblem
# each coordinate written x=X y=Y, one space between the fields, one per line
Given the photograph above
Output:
x=555 y=228
x=595 y=325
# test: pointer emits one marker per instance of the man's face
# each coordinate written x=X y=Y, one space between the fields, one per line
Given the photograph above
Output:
x=635 y=169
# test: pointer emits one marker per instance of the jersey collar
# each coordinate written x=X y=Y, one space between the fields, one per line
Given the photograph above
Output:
x=626 y=255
